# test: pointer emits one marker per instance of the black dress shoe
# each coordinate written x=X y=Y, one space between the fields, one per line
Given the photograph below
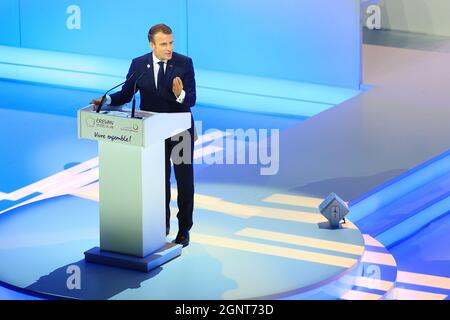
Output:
x=182 y=238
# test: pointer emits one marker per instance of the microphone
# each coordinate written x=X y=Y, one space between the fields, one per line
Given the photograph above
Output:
x=133 y=104
x=102 y=101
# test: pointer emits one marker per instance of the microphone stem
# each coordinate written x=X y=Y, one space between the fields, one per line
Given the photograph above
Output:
x=104 y=96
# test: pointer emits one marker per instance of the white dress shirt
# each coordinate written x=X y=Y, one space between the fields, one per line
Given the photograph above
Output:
x=156 y=61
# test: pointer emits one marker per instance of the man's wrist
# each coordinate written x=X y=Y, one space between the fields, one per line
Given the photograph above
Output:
x=107 y=100
x=181 y=97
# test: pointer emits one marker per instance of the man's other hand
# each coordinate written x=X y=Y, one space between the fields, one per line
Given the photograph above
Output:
x=96 y=103
x=177 y=86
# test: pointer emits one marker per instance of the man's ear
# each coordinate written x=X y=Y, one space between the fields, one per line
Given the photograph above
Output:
x=152 y=45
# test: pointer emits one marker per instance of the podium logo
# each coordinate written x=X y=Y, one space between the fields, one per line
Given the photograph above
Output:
x=90 y=122
x=134 y=128
x=103 y=123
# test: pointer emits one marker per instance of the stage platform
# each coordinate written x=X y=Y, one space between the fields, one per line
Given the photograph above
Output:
x=240 y=249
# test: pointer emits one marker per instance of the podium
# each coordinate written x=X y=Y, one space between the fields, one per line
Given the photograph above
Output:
x=131 y=155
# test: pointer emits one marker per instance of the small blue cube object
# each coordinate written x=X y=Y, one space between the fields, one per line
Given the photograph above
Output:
x=334 y=209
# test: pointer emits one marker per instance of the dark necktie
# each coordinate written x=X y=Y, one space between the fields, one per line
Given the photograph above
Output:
x=160 y=76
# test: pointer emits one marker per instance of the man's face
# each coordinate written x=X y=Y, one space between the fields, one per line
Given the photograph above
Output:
x=162 y=46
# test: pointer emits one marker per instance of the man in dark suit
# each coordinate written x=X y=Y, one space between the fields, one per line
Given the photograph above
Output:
x=167 y=84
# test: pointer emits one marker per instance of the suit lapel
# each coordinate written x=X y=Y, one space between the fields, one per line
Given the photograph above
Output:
x=152 y=72
x=169 y=72
x=167 y=77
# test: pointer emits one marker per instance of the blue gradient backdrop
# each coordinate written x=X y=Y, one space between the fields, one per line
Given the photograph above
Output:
x=301 y=40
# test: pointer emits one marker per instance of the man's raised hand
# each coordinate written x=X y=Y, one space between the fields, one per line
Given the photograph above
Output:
x=177 y=86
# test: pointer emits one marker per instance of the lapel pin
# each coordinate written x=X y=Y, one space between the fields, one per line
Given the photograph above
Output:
x=148 y=66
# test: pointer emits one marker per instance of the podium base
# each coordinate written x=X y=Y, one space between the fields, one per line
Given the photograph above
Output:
x=145 y=264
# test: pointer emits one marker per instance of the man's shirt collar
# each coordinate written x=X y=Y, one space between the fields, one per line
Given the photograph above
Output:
x=156 y=60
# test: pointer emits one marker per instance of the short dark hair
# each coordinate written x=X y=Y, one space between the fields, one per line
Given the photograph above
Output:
x=161 y=27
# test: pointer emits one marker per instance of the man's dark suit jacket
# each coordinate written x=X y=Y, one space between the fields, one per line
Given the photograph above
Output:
x=179 y=66
x=165 y=101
